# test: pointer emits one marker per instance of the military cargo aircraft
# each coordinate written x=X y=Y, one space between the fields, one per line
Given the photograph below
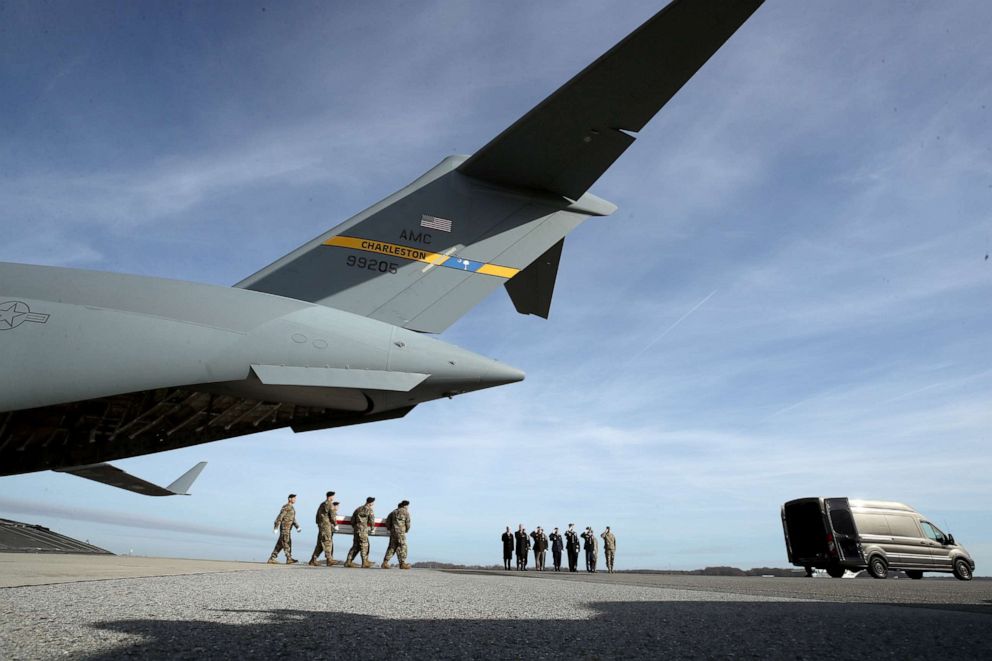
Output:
x=103 y=366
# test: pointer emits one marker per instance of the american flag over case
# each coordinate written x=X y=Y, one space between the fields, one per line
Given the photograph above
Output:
x=434 y=223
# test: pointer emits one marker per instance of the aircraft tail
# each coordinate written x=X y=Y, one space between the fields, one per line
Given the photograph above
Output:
x=427 y=254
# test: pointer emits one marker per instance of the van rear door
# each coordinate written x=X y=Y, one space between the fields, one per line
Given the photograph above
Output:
x=845 y=532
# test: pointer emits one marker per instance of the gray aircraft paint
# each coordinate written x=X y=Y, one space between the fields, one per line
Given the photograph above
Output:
x=101 y=366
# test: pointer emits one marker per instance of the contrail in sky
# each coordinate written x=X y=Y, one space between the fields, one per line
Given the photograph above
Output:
x=674 y=325
x=121 y=519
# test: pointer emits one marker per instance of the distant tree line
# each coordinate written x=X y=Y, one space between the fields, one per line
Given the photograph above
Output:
x=708 y=571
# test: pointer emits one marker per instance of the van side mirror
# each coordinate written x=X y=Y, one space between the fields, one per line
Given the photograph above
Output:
x=949 y=539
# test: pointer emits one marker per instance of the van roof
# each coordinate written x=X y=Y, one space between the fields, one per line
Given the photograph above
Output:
x=881 y=505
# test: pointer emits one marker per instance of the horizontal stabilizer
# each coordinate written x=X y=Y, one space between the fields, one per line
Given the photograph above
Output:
x=332 y=377
x=532 y=288
x=569 y=140
x=115 y=477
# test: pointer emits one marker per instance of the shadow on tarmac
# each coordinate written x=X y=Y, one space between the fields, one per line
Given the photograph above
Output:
x=680 y=629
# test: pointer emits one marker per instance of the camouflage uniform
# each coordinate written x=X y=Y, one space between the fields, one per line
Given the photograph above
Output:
x=362 y=520
x=285 y=522
x=398 y=523
x=609 y=548
x=326 y=516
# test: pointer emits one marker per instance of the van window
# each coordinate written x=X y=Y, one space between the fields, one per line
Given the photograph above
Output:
x=932 y=531
x=902 y=526
x=842 y=522
x=871 y=524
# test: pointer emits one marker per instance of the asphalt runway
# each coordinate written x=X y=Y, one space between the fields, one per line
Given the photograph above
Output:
x=222 y=611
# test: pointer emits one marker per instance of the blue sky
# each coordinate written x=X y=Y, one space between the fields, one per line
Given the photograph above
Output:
x=793 y=298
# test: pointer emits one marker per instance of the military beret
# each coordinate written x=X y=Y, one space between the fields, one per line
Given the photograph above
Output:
x=330 y=493
x=404 y=503
x=336 y=502
x=370 y=499
x=292 y=495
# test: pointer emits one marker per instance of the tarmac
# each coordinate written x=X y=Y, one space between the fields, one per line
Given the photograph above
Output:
x=94 y=607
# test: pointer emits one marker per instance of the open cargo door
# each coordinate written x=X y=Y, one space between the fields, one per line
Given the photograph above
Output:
x=845 y=531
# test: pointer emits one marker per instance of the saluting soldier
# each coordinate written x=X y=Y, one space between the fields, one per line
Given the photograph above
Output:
x=556 y=548
x=609 y=548
x=572 y=546
x=362 y=521
x=398 y=523
x=285 y=523
x=326 y=523
x=540 y=548
x=523 y=546
x=590 y=546
x=507 y=548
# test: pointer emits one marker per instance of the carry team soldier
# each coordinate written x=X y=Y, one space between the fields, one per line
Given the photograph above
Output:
x=398 y=523
x=507 y=548
x=609 y=547
x=326 y=524
x=572 y=546
x=284 y=524
x=523 y=546
x=362 y=521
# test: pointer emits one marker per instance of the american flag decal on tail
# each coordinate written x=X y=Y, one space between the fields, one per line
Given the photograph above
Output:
x=434 y=223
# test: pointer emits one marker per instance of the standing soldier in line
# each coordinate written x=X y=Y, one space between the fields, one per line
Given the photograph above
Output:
x=325 y=519
x=556 y=547
x=284 y=524
x=362 y=521
x=507 y=548
x=609 y=548
x=540 y=548
x=523 y=546
x=398 y=523
x=590 y=548
x=572 y=546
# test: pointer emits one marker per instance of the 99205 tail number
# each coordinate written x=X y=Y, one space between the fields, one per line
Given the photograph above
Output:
x=371 y=264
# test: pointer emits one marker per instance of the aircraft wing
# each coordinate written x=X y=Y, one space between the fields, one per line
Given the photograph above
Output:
x=115 y=477
x=568 y=141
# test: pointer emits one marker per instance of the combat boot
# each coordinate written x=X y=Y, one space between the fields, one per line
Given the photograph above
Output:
x=366 y=564
x=349 y=564
x=290 y=561
x=313 y=562
x=330 y=563
x=404 y=565
x=385 y=564
x=271 y=561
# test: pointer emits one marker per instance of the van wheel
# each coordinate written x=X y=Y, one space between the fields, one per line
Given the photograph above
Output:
x=835 y=572
x=962 y=570
x=914 y=574
x=878 y=567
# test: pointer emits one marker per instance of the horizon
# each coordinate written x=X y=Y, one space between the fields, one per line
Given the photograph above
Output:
x=792 y=299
